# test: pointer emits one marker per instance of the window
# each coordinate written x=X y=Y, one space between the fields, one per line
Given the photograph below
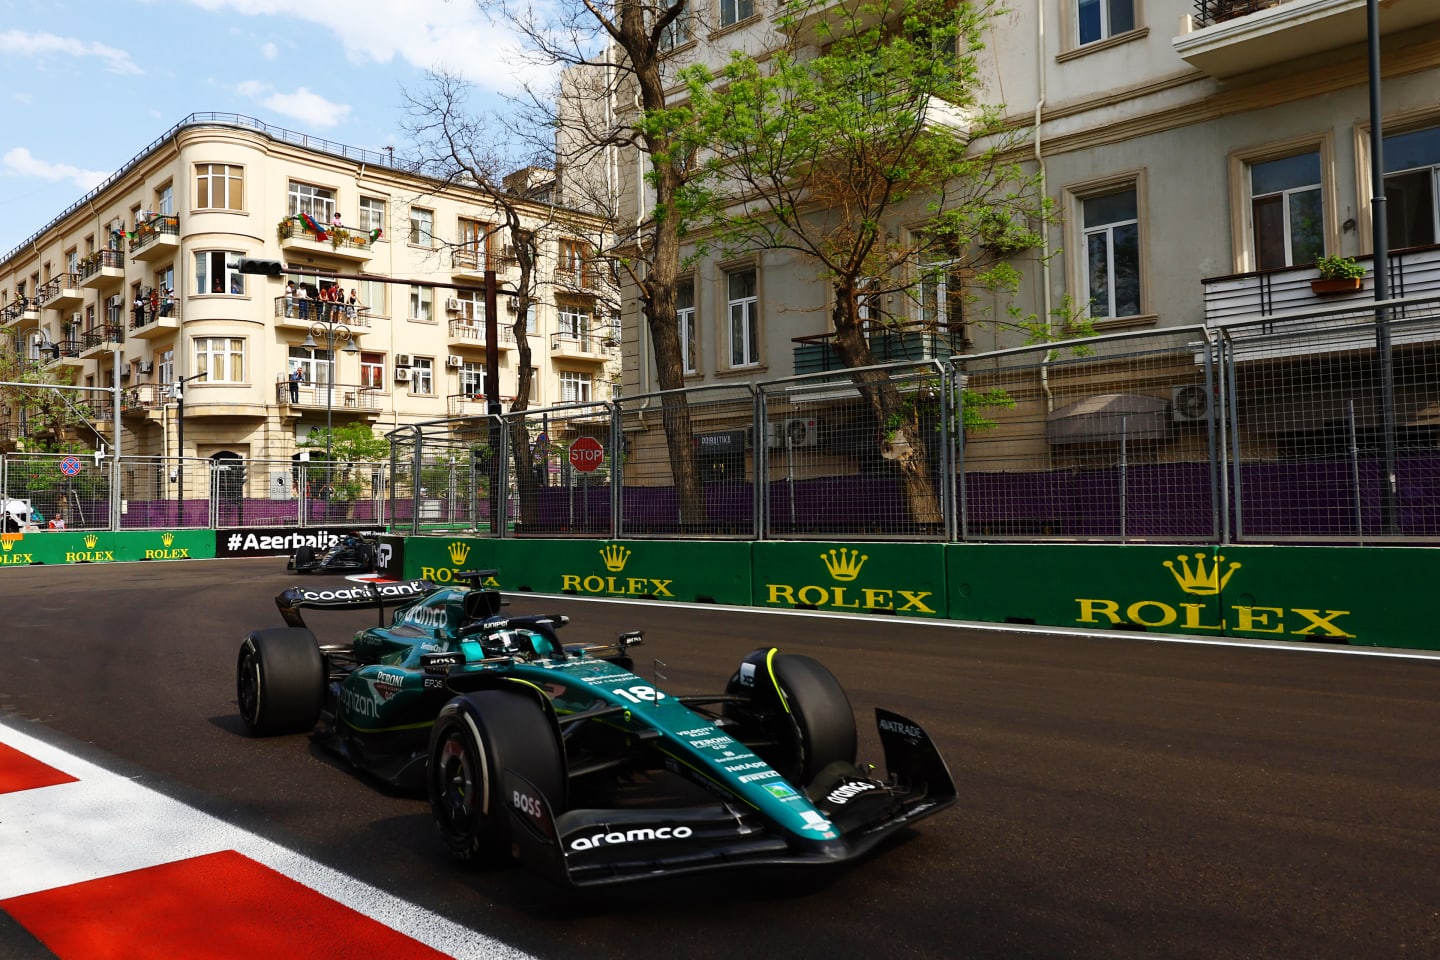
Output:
x=372 y=214
x=422 y=303
x=372 y=298
x=316 y=201
x=1287 y=215
x=1412 y=168
x=316 y=365
x=574 y=321
x=165 y=367
x=1105 y=18
x=213 y=273
x=575 y=387
x=222 y=359
x=474 y=249
x=572 y=260
x=685 y=317
x=219 y=186
x=679 y=31
x=942 y=293
x=744 y=318
x=72 y=263
x=372 y=370
x=472 y=307
x=472 y=379
x=733 y=11
x=1112 y=251
x=422 y=375
x=422 y=227
x=165 y=200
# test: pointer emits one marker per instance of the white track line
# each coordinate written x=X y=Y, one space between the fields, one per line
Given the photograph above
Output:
x=105 y=824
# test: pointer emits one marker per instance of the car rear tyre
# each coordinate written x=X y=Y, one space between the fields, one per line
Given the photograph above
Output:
x=280 y=681
x=475 y=738
x=816 y=730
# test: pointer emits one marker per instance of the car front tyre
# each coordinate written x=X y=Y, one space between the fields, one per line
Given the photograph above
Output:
x=279 y=681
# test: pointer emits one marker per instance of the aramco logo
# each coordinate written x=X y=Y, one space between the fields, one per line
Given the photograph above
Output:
x=615 y=556
x=1199 y=576
x=843 y=564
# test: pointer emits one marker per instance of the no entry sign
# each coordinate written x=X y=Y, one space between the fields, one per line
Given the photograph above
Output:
x=586 y=454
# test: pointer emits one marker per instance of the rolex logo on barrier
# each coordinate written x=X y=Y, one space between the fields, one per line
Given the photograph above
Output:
x=615 y=557
x=90 y=541
x=167 y=538
x=1198 y=582
x=90 y=554
x=166 y=553
x=8 y=540
x=1202 y=579
x=458 y=552
x=844 y=565
x=9 y=558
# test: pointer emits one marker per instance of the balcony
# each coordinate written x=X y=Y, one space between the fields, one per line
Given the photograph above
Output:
x=1414 y=272
x=20 y=310
x=139 y=399
x=62 y=292
x=102 y=339
x=464 y=332
x=103 y=268
x=583 y=280
x=908 y=342
x=156 y=237
x=469 y=263
x=1230 y=37
x=311 y=395
x=471 y=404
x=301 y=234
x=591 y=347
x=298 y=314
x=155 y=321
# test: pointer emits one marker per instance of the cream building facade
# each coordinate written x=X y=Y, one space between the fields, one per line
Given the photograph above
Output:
x=144 y=271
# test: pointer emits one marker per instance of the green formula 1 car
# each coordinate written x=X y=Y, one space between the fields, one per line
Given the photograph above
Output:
x=544 y=752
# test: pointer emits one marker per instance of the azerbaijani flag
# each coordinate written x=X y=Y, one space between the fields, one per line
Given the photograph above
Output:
x=314 y=227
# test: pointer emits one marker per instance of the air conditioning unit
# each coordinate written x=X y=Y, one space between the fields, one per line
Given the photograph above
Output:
x=512 y=304
x=1189 y=403
x=452 y=304
x=795 y=432
x=402 y=374
x=454 y=361
x=147 y=366
x=402 y=359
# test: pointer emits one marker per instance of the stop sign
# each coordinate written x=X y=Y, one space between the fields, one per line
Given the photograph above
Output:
x=586 y=454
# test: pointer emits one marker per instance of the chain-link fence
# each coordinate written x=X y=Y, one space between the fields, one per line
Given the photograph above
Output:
x=1322 y=427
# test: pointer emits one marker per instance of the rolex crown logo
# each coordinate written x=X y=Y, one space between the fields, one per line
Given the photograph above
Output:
x=844 y=565
x=615 y=557
x=458 y=552
x=167 y=538
x=90 y=541
x=7 y=540
x=1198 y=581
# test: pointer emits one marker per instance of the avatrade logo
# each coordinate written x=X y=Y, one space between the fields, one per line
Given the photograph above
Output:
x=843 y=565
x=1201 y=579
x=615 y=556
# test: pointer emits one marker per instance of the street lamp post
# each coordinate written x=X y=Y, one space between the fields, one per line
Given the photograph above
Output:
x=332 y=331
x=180 y=443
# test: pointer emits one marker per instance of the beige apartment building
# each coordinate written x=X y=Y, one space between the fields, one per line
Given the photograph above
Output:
x=1204 y=153
x=144 y=273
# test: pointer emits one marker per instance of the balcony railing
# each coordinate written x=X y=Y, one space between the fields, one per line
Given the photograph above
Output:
x=471 y=333
x=582 y=279
x=21 y=308
x=164 y=314
x=102 y=336
x=470 y=404
x=148 y=231
x=340 y=237
x=60 y=289
x=1210 y=12
x=298 y=312
x=816 y=353
x=592 y=346
x=315 y=395
x=102 y=264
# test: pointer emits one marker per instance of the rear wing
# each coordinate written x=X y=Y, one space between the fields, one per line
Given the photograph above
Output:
x=352 y=596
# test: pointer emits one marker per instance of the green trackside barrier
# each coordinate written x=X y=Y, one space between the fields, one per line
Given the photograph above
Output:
x=715 y=571
x=438 y=559
x=82 y=546
x=1370 y=596
x=891 y=578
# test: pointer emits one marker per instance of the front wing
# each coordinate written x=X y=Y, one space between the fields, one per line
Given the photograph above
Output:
x=595 y=847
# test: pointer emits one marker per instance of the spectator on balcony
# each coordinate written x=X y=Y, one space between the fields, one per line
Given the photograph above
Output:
x=290 y=299
x=167 y=303
x=154 y=302
x=302 y=296
x=139 y=307
x=296 y=376
x=353 y=306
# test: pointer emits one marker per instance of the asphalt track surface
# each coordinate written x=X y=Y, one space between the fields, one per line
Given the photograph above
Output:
x=1120 y=795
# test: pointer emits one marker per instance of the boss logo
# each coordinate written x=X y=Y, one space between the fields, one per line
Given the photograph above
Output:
x=527 y=804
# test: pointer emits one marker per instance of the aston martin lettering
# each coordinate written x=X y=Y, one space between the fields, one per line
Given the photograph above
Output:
x=846 y=792
x=636 y=835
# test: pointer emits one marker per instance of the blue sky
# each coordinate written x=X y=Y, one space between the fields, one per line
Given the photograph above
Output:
x=90 y=83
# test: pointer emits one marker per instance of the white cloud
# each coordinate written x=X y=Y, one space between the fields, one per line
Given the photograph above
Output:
x=19 y=162
x=41 y=45
x=269 y=51
x=427 y=34
x=303 y=105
